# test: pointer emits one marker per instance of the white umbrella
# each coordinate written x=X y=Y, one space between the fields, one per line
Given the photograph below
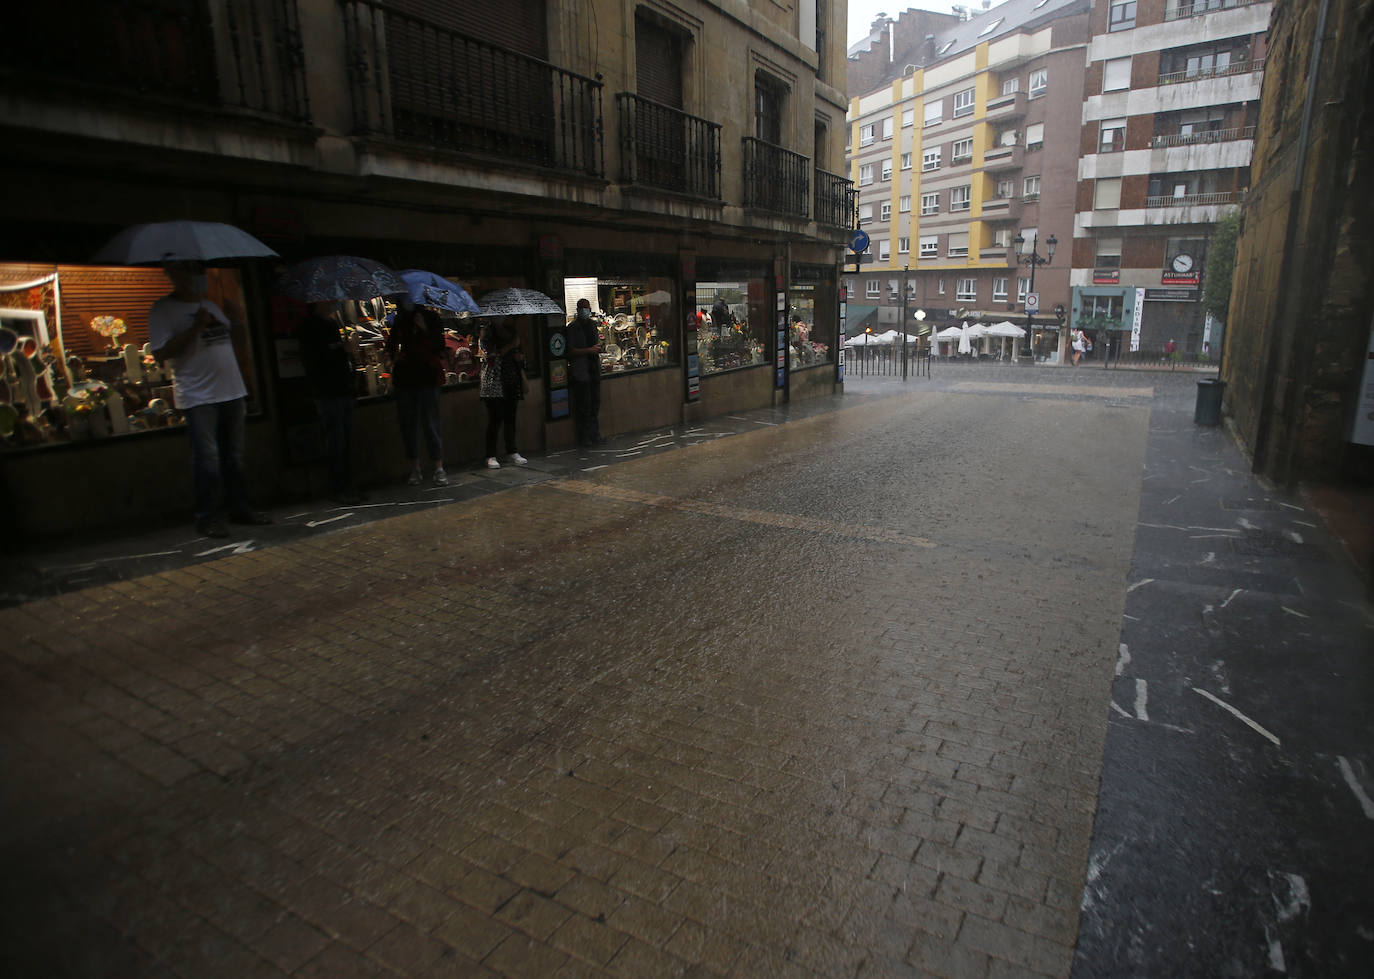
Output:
x=977 y=331
x=964 y=345
x=948 y=333
x=180 y=241
x=1006 y=328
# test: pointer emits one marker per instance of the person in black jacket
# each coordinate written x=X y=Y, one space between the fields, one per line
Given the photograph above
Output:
x=330 y=376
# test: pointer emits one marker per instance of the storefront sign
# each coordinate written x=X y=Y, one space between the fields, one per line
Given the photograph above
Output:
x=1137 y=317
x=1171 y=295
x=1178 y=279
x=556 y=376
x=1106 y=277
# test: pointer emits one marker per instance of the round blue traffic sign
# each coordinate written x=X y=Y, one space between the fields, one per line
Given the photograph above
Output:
x=858 y=242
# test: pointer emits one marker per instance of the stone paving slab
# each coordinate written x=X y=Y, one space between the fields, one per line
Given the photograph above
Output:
x=823 y=699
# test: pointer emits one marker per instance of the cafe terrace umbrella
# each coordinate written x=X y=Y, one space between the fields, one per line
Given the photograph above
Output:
x=948 y=333
x=1006 y=328
x=427 y=289
x=180 y=241
x=516 y=302
x=333 y=277
x=964 y=345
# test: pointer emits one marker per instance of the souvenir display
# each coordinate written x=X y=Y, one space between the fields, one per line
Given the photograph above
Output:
x=731 y=325
x=628 y=318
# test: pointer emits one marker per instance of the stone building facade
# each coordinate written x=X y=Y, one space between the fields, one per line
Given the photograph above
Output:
x=1297 y=358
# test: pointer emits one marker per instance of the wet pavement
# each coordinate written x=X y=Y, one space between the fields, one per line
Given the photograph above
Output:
x=810 y=691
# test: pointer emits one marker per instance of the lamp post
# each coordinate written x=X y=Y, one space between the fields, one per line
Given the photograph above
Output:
x=906 y=271
x=920 y=318
x=1034 y=260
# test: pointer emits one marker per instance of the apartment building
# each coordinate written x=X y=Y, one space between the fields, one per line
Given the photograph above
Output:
x=963 y=155
x=589 y=148
x=1169 y=111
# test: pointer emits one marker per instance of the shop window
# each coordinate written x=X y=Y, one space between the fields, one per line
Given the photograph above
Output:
x=90 y=373
x=734 y=309
x=634 y=318
x=814 y=320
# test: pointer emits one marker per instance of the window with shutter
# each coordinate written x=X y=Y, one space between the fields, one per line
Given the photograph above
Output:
x=658 y=61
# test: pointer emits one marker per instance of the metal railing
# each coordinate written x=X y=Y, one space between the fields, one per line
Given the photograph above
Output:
x=418 y=82
x=1202 y=74
x=665 y=147
x=1196 y=8
x=837 y=202
x=1208 y=136
x=1187 y=200
x=246 y=55
x=776 y=179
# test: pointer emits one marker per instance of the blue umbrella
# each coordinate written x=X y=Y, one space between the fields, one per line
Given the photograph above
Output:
x=427 y=289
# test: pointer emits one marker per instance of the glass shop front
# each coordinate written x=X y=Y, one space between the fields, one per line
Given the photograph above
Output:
x=813 y=323
x=733 y=315
x=633 y=316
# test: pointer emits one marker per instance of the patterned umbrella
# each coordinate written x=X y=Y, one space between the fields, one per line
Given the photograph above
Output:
x=180 y=241
x=339 y=277
x=428 y=289
x=517 y=302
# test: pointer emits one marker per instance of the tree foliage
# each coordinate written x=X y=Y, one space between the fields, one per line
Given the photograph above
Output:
x=1221 y=265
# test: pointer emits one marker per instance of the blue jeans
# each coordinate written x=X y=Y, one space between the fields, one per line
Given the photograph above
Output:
x=336 y=424
x=216 y=432
x=418 y=408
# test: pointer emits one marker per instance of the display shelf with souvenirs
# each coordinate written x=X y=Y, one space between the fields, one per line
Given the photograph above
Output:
x=805 y=337
x=633 y=320
x=75 y=361
x=732 y=325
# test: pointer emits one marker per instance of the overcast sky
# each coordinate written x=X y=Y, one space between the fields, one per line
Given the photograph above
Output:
x=862 y=12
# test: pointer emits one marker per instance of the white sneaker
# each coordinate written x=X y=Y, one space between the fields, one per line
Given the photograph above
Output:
x=517 y=459
x=492 y=463
x=440 y=477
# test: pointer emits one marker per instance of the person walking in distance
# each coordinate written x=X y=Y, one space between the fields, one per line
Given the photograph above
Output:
x=502 y=386
x=584 y=348
x=197 y=339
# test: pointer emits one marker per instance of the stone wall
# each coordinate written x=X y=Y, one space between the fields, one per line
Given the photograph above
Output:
x=1303 y=294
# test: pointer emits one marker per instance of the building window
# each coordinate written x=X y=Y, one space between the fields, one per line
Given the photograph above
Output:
x=908 y=117
x=903 y=246
x=1039 y=82
x=930 y=203
x=1035 y=137
x=930 y=159
x=1113 y=136
x=930 y=246
x=885 y=211
x=865 y=174
x=887 y=128
x=865 y=212
x=1022 y=289
x=1116 y=74
x=1001 y=238
x=959 y=198
x=967 y=289
x=904 y=204
x=999 y=289
x=935 y=111
x=1108 y=253
x=1122 y=16
x=963 y=151
x=887 y=169
x=957 y=245
x=906 y=161
x=1107 y=194
x=884 y=250
x=964 y=102
x=1005 y=188
x=871 y=289
x=1011 y=85
x=940 y=285
x=866 y=134
x=770 y=99
x=1031 y=190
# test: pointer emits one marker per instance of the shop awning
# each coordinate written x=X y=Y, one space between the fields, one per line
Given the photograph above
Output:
x=857 y=317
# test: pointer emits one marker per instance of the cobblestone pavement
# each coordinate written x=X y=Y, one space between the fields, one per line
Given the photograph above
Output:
x=822 y=698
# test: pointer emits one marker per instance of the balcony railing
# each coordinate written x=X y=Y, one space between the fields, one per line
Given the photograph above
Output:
x=418 y=82
x=1006 y=106
x=248 y=56
x=776 y=179
x=1184 y=9
x=665 y=147
x=1188 y=200
x=1200 y=74
x=1208 y=136
x=1003 y=157
x=837 y=202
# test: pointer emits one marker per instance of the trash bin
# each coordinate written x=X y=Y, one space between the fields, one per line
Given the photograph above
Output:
x=1208 y=410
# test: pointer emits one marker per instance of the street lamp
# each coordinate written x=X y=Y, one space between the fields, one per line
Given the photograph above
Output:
x=1034 y=260
x=920 y=318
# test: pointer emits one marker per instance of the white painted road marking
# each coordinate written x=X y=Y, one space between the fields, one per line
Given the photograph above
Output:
x=1142 y=696
x=321 y=523
x=1123 y=658
x=1142 y=581
x=1231 y=596
x=1349 y=774
x=242 y=547
x=1225 y=706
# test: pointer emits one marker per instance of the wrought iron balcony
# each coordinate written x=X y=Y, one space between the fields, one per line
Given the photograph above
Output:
x=1183 y=9
x=1205 y=136
x=776 y=179
x=1202 y=74
x=1192 y=200
x=665 y=147
x=247 y=56
x=417 y=82
x=837 y=202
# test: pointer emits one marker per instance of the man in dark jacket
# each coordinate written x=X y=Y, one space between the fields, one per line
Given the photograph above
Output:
x=584 y=350
x=330 y=376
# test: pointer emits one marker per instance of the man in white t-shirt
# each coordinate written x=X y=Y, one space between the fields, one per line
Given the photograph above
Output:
x=196 y=338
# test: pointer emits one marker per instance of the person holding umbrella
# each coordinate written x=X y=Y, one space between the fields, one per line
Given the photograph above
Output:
x=502 y=386
x=197 y=339
x=416 y=346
